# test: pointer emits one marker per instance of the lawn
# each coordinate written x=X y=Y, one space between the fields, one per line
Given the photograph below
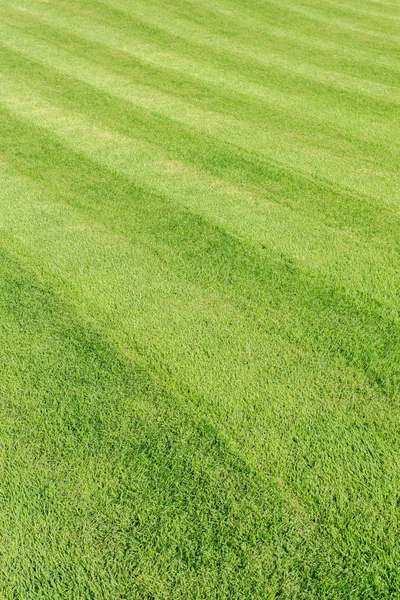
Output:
x=199 y=299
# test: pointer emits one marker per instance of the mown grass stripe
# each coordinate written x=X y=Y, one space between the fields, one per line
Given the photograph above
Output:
x=332 y=428
x=204 y=31
x=118 y=21
x=40 y=75
x=280 y=24
x=252 y=138
x=163 y=101
x=325 y=18
x=113 y=435
x=196 y=239
x=211 y=92
x=232 y=164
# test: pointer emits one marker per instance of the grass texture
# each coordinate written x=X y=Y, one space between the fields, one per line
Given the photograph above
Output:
x=199 y=299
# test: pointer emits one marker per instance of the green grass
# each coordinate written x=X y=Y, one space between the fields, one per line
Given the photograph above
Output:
x=199 y=299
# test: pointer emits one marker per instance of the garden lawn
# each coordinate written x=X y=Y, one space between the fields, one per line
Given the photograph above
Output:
x=199 y=299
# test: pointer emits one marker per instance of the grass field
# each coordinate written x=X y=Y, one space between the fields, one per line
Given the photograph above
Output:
x=199 y=299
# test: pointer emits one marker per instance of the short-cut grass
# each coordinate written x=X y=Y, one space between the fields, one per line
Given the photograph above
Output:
x=199 y=299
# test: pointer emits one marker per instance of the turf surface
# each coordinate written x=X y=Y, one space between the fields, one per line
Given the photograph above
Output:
x=199 y=299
